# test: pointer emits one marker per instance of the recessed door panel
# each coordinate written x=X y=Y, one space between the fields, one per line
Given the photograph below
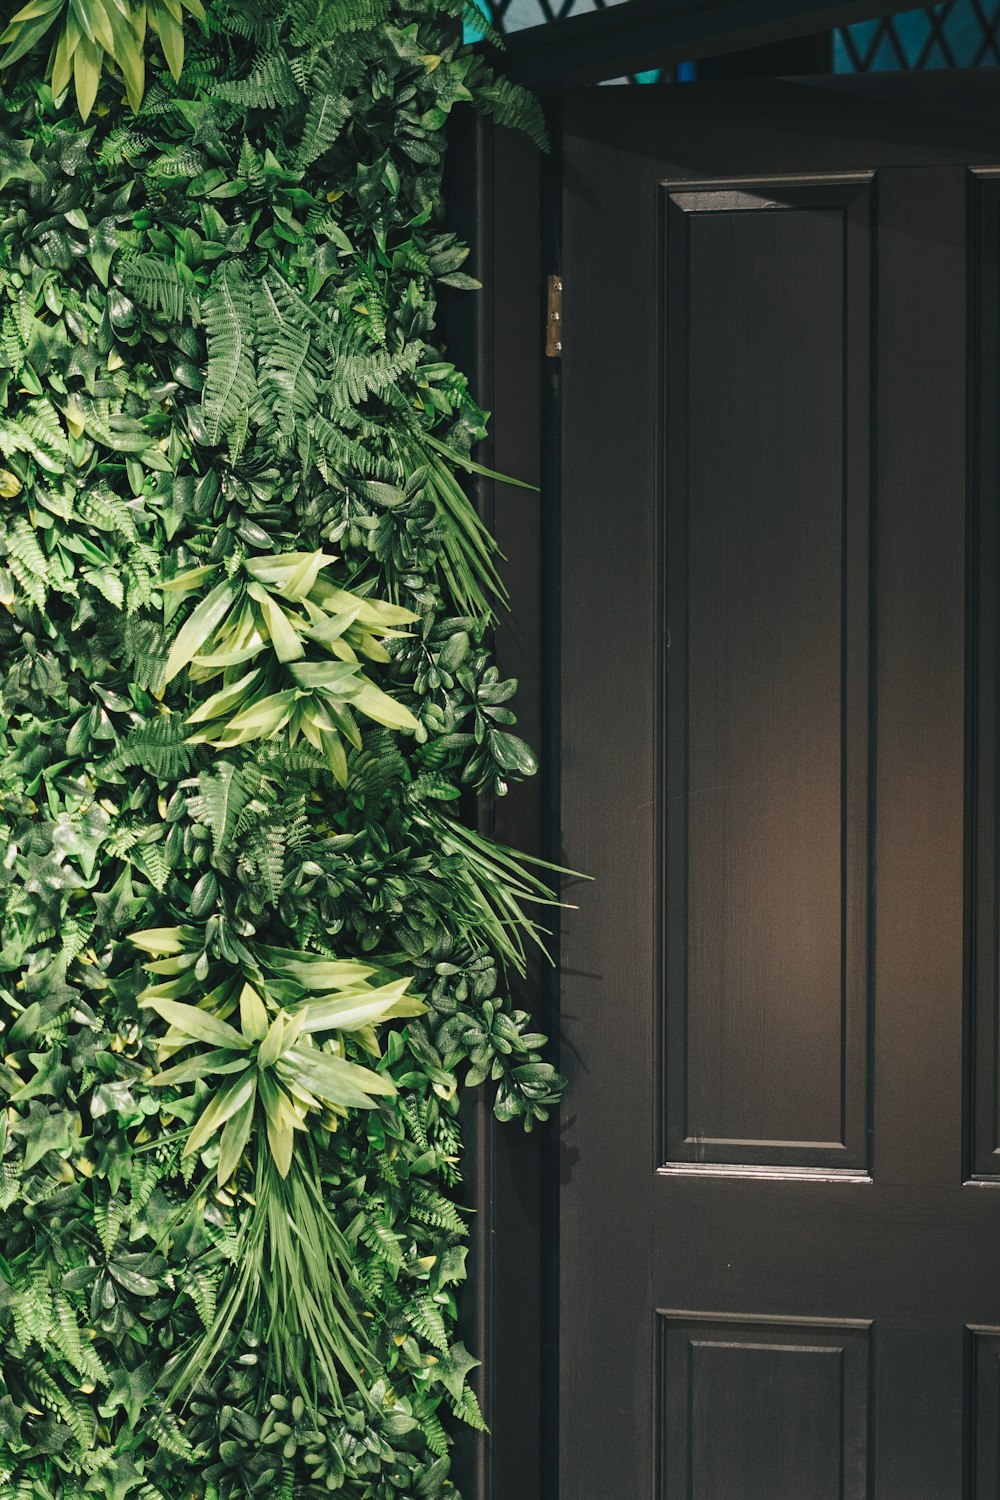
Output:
x=984 y=1070
x=985 y=1368
x=765 y=1411
x=779 y=996
x=767 y=499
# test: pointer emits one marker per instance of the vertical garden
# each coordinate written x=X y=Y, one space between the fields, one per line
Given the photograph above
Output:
x=250 y=949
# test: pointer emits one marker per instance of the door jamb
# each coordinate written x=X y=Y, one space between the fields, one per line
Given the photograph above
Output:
x=496 y=206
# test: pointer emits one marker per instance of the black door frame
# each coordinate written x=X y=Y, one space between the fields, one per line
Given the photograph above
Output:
x=504 y=201
x=495 y=204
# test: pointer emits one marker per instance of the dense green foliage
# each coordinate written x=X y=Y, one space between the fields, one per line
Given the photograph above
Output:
x=250 y=950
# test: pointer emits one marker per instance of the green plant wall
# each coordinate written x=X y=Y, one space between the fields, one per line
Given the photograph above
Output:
x=250 y=949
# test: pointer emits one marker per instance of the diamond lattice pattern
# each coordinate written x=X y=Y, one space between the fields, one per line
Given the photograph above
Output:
x=956 y=34
x=953 y=34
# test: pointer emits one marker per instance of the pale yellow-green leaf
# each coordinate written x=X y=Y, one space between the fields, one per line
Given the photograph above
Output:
x=272 y=1046
x=160 y=939
x=304 y=721
x=302 y=579
x=347 y=1012
x=259 y=721
x=101 y=23
x=285 y=638
x=277 y=572
x=202 y=1065
x=231 y=1097
x=81 y=11
x=87 y=60
x=62 y=58
x=204 y=619
x=171 y=34
x=207 y=665
x=191 y=578
x=235 y=1137
x=253 y=1014
x=375 y=612
x=198 y=1024
x=336 y=757
x=226 y=700
x=34 y=10
x=333 y=1078
x=384 y=710
x=282 y=1121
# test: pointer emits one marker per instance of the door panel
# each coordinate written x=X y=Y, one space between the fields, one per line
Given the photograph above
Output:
x=779 y=1219
x=984 y=1080
x=766 y=516
x=765 y=1411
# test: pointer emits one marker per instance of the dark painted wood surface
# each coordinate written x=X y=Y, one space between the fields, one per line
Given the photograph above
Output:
x=494 y=205
x=780 y=1209
x=628 y=37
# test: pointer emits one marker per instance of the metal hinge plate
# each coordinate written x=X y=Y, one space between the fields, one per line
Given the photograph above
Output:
x=554 y=318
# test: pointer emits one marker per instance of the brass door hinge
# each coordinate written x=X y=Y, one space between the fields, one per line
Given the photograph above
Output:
x=554 y=319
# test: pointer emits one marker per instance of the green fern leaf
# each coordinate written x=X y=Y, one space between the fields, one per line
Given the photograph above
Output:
x=290 y=365
x=222 y=796
x=230 y=382
x=435 y=1436
x=156 y=284
x=425 y=1316
x=158 y=747
x=269 y=85
x=325 y=118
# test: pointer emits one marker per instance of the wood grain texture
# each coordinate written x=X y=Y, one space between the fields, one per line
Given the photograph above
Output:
x=626 y=38
x=766 y=419
x=720 y=487
x=494 y=190
x=764 y=1410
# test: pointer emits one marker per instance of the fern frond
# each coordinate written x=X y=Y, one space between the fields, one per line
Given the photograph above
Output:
x=74 y=1411
x=269 y=85
x=181 y=162
x=383 y=1242
x=203 y=1291
x=230 y=383
x=165 y=1430
x=434 y=1209
x=435 y=1436
x=221 y=797
x=122 y=144
x=510 y=104
x=360 y=372
x=468 y=1410
x=325 y=118
x=152 y=860
x=146 y=645
x=109 y=1217
x=317 y=21
x=290 y=365
x=264 y=854
x=156 y=284
x=425 y=1316
x=158 y=747
x=27 y=561
x=68 y=1339
x=109 y=512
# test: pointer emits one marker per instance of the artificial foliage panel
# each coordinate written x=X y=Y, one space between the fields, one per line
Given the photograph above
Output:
x=250 y=948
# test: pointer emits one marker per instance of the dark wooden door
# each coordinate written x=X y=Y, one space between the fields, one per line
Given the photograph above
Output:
x=780 y=1207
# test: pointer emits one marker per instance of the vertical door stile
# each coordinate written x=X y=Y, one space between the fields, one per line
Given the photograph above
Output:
x=776 y=366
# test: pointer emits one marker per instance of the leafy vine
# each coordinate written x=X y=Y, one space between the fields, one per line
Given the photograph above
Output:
x=249 y=947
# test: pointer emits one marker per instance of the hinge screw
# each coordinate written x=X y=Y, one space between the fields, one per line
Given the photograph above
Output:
x=553 y=340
